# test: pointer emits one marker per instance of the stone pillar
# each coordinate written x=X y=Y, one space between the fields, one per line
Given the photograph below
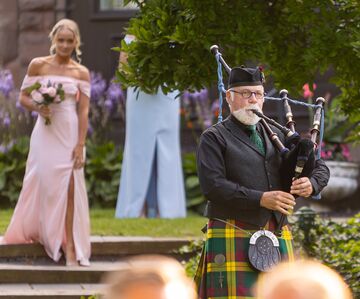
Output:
x=34 y=22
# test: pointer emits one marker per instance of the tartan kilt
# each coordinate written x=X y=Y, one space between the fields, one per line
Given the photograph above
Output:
x=233 y=277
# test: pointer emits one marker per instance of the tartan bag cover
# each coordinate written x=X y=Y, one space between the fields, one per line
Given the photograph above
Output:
x=224 y=271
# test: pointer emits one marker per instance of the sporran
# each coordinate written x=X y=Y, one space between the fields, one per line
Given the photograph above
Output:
x=264 y=250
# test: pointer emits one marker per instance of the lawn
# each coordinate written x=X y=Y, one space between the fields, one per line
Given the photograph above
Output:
x=103 y=223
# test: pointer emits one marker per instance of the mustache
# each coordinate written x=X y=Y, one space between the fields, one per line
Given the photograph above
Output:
x=256 y=110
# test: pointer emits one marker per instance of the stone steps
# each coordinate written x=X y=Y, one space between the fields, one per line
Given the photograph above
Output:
x=50 y=274
x=27 y=272
x=102 y=247
x=59 y=291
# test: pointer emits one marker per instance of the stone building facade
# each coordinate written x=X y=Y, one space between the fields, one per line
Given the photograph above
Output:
x=24 y=29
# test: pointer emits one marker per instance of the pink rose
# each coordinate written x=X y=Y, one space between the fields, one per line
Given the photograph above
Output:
x=51 y=91
x=37 y=96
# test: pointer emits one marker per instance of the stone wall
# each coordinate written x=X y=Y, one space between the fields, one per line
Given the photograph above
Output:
x=8 y=31
x=24 y=29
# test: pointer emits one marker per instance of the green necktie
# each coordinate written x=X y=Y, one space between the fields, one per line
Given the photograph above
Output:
x=255 y=138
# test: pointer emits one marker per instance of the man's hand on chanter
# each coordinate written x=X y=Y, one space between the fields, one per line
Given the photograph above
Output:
x=278 y=201
x=302 y=187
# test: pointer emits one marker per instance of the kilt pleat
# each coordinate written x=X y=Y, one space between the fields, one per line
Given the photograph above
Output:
x=224 y=271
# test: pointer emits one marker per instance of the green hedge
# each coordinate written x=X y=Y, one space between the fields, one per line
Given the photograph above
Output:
x=335 y=244
x=102 y=173
x=12 y=169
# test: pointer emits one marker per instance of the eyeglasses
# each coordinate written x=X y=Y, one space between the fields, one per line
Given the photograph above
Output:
x=246 y=94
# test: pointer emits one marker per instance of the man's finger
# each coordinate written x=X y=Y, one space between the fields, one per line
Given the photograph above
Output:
x=300 y=186
x=287 y=196
x=300 y=181
x=282 y=210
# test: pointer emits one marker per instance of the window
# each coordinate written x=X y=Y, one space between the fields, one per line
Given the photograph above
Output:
x=113 y=10
x=115 y=5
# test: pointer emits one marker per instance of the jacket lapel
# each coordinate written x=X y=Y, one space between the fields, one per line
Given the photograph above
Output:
x=240 y=134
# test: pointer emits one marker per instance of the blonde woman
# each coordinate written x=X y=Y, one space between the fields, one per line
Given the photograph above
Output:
x=302 y=280
x=53 y=206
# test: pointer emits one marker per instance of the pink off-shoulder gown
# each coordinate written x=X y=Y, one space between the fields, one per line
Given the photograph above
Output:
x=39 y=215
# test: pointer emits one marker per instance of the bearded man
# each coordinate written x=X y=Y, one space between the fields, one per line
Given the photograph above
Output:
x=239 y=173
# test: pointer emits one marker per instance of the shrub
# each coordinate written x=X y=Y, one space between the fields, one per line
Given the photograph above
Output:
x=102 y=173
x=12 y=170
x=194 y=198
x=335 y=244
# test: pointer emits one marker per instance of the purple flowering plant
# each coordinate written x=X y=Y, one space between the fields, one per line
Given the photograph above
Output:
x=107 y=102
x=15 y=121
x=197 y=110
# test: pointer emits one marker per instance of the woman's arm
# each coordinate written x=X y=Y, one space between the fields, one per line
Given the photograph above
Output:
x=25 y=100
x=83 y=112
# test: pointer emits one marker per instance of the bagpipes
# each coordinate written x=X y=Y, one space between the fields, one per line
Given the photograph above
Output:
x=298 y=153
x=298 y=159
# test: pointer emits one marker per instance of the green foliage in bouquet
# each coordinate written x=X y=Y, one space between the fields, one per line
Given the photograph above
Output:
x=335 y=244
x=295 y=40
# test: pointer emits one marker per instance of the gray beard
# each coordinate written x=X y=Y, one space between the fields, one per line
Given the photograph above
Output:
x=247 y=117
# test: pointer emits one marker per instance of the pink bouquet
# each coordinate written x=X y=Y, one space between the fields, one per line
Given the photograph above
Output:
x=46 y=95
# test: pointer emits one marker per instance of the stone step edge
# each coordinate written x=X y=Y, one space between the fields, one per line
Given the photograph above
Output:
x=104 y=246
x=51 y=276
x=50 y=292
x=50 y=295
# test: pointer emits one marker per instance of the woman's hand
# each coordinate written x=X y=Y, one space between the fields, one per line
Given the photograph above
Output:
x=78 y=156
x=44 y=111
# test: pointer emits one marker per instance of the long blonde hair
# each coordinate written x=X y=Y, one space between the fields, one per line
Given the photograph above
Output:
x=72 y=26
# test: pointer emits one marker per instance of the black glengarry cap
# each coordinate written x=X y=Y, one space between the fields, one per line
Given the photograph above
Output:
x=243 y=76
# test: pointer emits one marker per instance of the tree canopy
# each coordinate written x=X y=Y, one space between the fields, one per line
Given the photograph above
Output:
x=293 y=40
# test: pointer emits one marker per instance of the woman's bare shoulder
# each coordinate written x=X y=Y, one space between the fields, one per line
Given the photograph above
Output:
x=35 y=66
x=82 y=72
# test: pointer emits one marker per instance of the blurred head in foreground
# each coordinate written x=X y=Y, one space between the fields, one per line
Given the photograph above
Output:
x=302 y=280
x=150 y=277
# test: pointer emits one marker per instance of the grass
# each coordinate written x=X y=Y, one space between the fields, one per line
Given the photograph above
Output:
x=104 y=223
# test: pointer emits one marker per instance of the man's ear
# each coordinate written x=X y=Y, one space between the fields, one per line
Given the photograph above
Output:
x=228 y=97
